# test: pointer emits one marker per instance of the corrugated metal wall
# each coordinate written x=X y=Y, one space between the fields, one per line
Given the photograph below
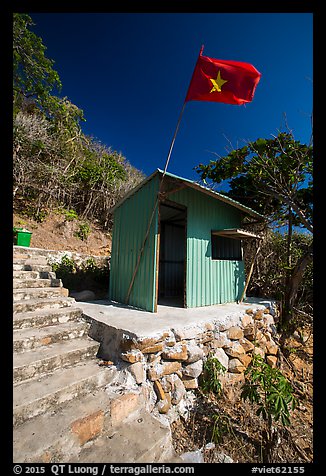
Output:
x=131 y=220
x=209 y=281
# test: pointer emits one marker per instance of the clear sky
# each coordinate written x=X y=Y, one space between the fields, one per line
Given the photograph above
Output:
x=129 y=73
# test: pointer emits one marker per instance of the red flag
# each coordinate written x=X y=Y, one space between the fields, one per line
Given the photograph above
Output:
x=231 y=82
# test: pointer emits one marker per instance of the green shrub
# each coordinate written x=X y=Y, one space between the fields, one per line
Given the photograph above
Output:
x=221 y=427
x=269 y=390
x=272 y=394
x=83 y=231
x=70 y=214
x=40 y=215
x=88 y=275
x=66 y=266
x=212 y=370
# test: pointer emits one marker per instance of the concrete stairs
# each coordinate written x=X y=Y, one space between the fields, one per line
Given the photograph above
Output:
x=66 y=407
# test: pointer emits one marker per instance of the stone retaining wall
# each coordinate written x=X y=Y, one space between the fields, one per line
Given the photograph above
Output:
x=166 y=366
x=55 y=256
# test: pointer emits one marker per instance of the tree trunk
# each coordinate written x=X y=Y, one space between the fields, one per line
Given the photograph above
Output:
x=294 y=283
x=286 y=314
x=298 y=272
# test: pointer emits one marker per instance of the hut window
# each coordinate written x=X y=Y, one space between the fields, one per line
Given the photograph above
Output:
x=226 y=248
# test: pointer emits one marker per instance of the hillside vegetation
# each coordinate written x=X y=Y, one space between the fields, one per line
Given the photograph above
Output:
x=54 y=163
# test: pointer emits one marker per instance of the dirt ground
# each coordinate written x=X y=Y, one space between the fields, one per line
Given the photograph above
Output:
x=58 y=233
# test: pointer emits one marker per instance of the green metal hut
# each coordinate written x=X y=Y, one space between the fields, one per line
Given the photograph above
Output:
x=178 y=243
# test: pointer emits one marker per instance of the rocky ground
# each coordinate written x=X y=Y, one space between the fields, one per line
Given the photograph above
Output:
x=238 y=430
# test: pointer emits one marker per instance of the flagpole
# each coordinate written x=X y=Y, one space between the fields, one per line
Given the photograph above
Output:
x=178 y=123
x=174 y=137
x=157 y=201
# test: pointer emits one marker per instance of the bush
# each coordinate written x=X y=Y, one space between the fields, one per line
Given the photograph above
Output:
x=83 y=231
x=85 y=276
x=268 y=278
x=70 y=214
x=51 y=169
x=272 y=393
x=212 y=370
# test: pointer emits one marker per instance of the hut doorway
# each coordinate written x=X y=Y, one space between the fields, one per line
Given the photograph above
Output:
x=172 y=255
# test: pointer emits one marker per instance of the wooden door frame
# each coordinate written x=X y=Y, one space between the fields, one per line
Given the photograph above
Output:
x=178 y=206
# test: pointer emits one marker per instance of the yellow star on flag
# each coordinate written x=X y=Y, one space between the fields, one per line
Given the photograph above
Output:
x=217 y=83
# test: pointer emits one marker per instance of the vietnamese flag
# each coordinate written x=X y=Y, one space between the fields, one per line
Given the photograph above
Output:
x=231 y=82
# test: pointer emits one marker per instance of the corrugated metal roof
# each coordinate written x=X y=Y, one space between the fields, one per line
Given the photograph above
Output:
x=196 y=186
x=236 y=233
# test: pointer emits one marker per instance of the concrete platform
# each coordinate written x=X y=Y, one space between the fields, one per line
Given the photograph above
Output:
x=138 y=323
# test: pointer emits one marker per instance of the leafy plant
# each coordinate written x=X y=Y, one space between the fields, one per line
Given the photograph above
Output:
x=89 y=265
x=221 y=427
x=33 y=73
x=67 y=265
x=212 y=370
x=87 y=275
x=97 y=170
x=70 y=214
x=83 y=231
x=272 y=393
x=40 y=215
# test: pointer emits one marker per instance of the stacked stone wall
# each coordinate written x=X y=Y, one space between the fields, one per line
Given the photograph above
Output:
x=168 y=365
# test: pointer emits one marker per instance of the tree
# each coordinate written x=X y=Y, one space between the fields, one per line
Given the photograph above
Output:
x=35 y=79
x=273 y=176
x=272 y=393
x=33 y=73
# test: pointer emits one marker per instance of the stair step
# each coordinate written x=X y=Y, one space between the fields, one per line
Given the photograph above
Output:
x=19 y=255
x=20 y=260
x=44 y=394
x=26 y=275
x=22 y=283
x=30 y=252
x=46 y=359
x=22 y=274
x=28 y=305
x=126 y=445
x=31 y=267
x=39 y=293
x=53 y=437
x=30 y=260
x=18 y=267
x=28 y=339
x=45 y=317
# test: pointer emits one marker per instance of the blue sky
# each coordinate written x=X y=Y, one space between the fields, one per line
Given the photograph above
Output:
x=129 y=73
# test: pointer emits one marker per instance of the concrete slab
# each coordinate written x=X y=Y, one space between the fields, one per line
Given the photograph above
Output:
x=138 y=323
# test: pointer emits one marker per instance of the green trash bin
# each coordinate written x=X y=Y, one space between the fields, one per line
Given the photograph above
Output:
x=22 y=237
